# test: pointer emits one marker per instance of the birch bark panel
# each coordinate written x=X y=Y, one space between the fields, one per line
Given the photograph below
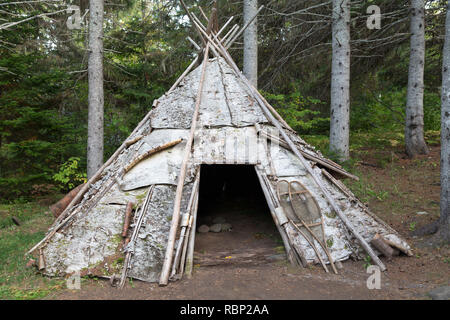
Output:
x=243 y=108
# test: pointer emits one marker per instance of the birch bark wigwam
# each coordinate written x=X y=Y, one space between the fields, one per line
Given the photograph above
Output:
x=340 y=80
x=95 y=97
x=414 y=138
x=250 y=67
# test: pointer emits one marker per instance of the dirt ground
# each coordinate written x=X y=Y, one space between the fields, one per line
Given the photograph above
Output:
x=248 y=262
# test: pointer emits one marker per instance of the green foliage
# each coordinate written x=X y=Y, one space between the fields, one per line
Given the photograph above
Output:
x=300 y=112
x=70 y=174
x=16 y=280
x=367 y=262
x=33 y=136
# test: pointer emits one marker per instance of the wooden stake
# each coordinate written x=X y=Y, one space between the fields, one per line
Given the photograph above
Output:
x=183 y=254
x=132 y=239
x=41 y=264
x=191 y=244
x=225 y=37
x=184 y=227
x=126 y=224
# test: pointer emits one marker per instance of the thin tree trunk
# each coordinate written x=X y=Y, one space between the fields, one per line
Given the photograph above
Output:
x=445 y=133
x=95 y=98
x=340 y=80
x=414 y=140
x=251 y=42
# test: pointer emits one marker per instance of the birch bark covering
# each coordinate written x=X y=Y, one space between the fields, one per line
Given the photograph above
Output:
x=340 y=79
x=445 y=130
x=95 y=98
x=90 y=240
x=251 y=42
x=414 y=140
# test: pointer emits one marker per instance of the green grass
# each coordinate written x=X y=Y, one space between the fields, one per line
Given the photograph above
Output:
x=16 y=280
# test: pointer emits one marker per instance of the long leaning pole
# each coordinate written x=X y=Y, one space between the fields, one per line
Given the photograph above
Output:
x=294 y=149
x=164 y=279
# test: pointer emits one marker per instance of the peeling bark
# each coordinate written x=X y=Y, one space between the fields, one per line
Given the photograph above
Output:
x=95 y=98
x=251 y=42
x=445 y=133
x=340 y=80
x=414 y=139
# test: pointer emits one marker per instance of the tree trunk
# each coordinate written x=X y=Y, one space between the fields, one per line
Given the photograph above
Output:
x=251 y=42
x=340 y=80
x=414 y=140
x=95 y=98
x=445 y=133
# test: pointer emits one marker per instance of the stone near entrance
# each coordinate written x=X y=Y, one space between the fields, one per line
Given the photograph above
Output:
x=216 y=227
x=203 y=228
x=226 y=227
x=440 y=293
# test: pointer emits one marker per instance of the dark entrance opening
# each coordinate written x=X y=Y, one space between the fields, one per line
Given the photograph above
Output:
x=231 y=195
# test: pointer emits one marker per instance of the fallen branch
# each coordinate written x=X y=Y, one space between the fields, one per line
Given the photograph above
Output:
x=380 y=243
x=150 y=152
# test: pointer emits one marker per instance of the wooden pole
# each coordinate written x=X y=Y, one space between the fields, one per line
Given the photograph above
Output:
x=192 y=20
x=229 y=33
x=184 y=226
x=59 y=207
x=191 y=244
x=244 y=27
x=137 y=227
x=126 y=223
x=380 y=243
x=188 y=69
x=183 y=254
x=177 y=202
